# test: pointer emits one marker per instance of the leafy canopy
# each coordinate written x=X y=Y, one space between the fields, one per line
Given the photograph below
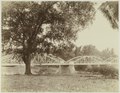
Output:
x=111 y=11
x=25 y=21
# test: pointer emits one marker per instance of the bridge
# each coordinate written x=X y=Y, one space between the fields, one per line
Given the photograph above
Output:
x=79 y=60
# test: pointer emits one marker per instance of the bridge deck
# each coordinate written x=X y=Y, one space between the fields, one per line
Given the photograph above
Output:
x=48 y=64
x=79 y=64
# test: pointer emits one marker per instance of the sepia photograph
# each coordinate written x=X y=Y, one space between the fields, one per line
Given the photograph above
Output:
x=60 y=46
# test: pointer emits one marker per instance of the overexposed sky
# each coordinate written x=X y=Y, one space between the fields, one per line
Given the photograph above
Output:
x=100 y=34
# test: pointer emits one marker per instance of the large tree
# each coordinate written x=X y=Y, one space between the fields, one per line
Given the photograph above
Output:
x=25 y=21
x=111 y=11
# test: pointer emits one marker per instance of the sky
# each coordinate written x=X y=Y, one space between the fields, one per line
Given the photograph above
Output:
x=100 y=34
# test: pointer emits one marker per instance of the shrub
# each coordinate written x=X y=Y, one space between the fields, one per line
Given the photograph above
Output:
x=109 y=71
x=94 y=69
x=80 y=67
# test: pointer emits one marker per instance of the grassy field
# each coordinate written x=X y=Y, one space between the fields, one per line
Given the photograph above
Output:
x=57 y=83
x=14 y=80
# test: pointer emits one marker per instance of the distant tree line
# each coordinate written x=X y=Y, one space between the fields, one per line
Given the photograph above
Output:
x=68 y=52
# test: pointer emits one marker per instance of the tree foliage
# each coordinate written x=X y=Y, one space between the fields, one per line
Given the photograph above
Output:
x=25 y=21
x=107 y=53
x=69 y=52
x=111 y=11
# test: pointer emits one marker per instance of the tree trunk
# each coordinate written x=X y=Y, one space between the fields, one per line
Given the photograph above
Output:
x=28 y=69
x=27 y=62
x=66 y=69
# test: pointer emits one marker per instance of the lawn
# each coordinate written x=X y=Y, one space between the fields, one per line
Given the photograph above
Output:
x=57 y=83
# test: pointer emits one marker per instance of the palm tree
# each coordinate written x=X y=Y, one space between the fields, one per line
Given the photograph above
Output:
x=110 y=10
